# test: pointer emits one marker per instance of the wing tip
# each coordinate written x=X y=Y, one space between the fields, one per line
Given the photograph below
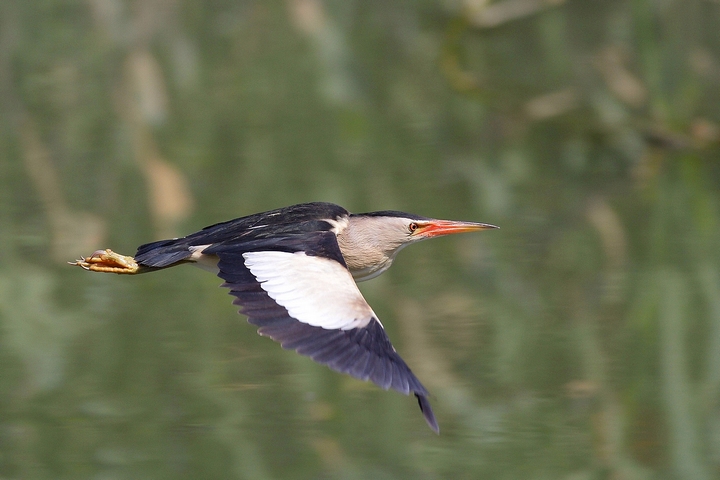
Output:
x=427 y=412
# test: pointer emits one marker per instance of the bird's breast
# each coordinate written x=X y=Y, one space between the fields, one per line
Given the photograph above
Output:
x=365 y=264
x=367 y=273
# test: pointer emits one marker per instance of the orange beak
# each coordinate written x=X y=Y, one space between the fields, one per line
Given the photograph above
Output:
x=437 y=228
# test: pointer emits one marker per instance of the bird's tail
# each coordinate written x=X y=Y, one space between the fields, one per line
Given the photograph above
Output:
x=163 y=253
x=427 y=412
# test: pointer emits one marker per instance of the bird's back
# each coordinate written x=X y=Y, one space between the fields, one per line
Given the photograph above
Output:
x=283 y=225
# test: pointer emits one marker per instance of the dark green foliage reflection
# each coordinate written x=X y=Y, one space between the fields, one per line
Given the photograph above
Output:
x=579 y=341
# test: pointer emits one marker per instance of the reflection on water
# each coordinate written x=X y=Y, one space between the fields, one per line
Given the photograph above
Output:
x=582 y=340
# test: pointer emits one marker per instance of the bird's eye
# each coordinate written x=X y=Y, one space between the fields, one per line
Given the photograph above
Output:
x=412 y=227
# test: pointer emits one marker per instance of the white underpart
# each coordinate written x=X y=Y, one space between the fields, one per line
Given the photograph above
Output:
x=314 y=290
x=206 y=262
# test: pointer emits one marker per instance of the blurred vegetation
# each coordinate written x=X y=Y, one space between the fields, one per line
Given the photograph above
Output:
x=580 y=341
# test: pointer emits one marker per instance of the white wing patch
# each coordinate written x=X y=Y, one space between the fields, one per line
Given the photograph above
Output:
x=314 y=290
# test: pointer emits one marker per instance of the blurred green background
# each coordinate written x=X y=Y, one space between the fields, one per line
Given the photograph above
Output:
x=580 y=341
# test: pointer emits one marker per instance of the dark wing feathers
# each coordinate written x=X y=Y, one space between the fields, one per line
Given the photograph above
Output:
x=293 y=221
x=364 y=353
x=301 y=218
x=335 y=348
x=319 y=244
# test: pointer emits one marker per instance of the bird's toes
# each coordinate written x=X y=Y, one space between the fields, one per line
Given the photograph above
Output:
x=107 y=261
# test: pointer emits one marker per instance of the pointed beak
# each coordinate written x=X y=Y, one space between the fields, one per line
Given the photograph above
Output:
x=437 y=228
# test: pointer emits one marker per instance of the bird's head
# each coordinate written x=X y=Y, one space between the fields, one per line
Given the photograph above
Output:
x=370 y=241
x=393 y=229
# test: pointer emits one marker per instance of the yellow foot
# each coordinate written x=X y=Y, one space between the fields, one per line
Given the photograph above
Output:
x=107 y=261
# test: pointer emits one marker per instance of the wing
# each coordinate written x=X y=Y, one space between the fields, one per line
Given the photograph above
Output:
x=298 y=292
x=245 y=232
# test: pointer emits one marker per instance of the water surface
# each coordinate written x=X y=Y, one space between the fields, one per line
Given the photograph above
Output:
x=579 y=341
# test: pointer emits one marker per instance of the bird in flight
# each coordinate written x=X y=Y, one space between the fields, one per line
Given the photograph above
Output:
x=293 y=272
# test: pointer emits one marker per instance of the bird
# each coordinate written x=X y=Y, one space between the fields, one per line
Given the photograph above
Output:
x=293 y=273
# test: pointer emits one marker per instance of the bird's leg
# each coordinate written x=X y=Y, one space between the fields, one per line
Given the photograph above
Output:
x=107 y=261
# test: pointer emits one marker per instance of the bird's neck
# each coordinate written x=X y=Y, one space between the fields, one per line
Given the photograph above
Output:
x=364 y=257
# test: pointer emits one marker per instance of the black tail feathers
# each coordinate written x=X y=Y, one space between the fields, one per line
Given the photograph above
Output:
x=162 y=253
